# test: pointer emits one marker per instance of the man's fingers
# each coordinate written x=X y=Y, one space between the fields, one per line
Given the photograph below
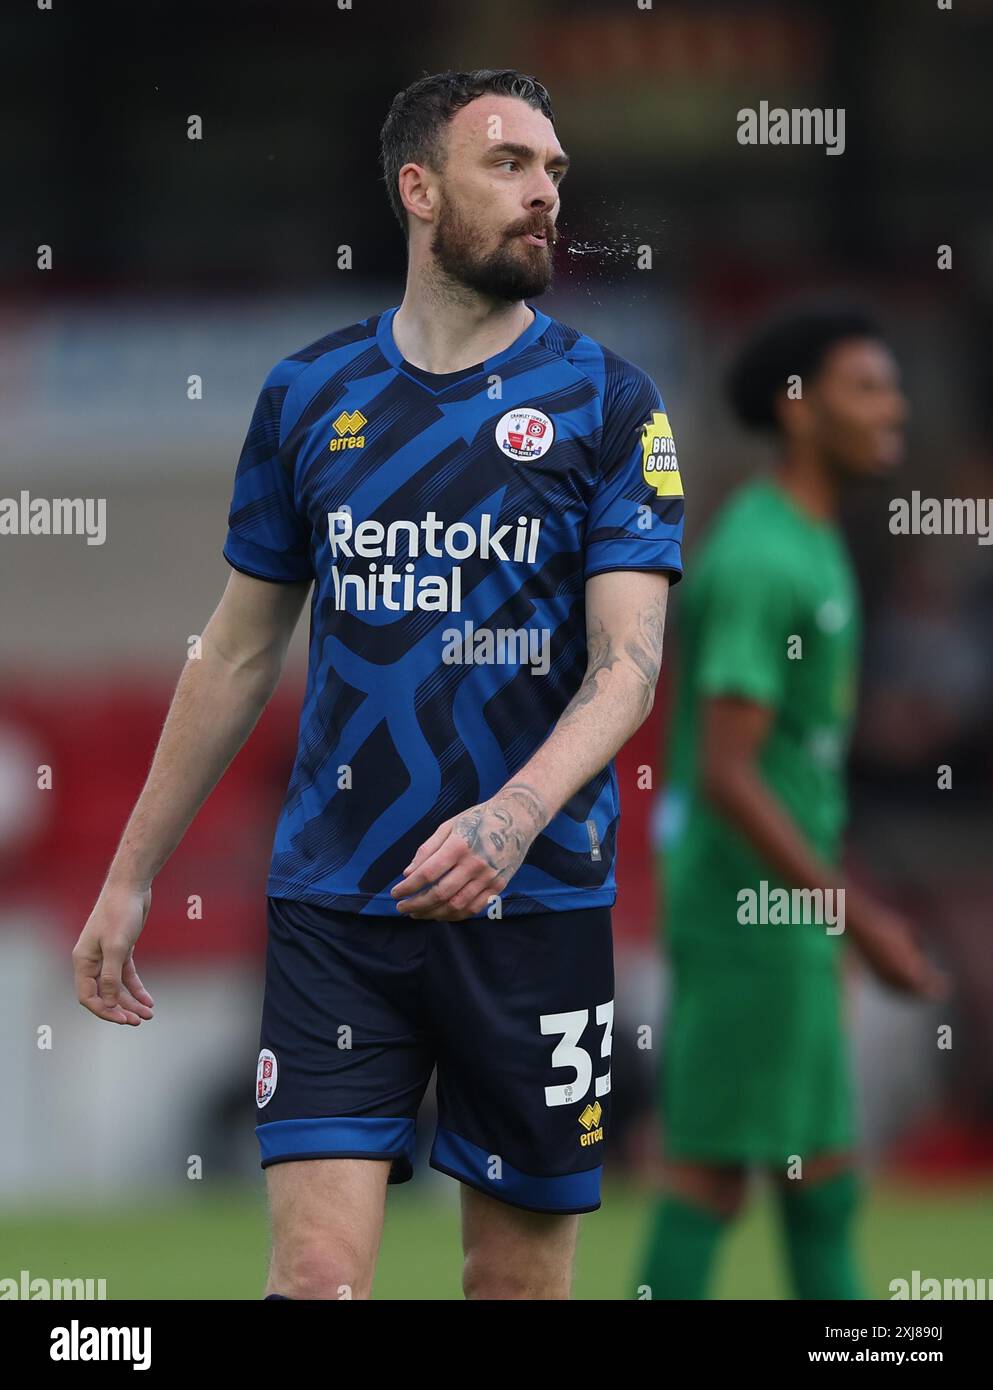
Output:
x=118 y=1014
x=920 y=975
x=935 y=984
x=131 y=980
x=429 y=846
x=130 y=1004
x=114 y=955
x=442 y=861
x=90 y=998
x=475 y=894
x=914 y=973
x=439 y=890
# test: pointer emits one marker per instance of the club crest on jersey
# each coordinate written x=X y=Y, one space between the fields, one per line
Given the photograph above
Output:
x=659 y=467
x=524 y=433
x=265 y=1078
x=348 y=427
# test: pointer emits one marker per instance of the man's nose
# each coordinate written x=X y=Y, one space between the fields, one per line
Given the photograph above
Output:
x=545 y=194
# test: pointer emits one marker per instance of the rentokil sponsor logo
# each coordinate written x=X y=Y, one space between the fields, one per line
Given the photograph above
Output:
x=401 y=589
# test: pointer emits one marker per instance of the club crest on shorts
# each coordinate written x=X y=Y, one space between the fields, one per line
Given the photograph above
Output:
x=524 y=433
x=265 y=1078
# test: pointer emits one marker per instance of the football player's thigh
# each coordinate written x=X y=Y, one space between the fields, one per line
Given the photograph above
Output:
x=511 y=1253
x=342 y=1069
x=327 y=1222
x=524 y=1009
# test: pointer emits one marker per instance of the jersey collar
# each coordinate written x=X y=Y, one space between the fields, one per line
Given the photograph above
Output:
x=439 y=381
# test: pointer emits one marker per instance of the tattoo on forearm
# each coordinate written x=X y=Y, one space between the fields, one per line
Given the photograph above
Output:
x=643 y=652
x=599 y=648
x=645 y=648
x=601 y=656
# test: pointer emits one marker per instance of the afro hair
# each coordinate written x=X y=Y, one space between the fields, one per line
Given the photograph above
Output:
x=792 y=345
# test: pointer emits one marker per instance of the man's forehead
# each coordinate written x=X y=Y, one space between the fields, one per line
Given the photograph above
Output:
x=856 y=353
x=491 y=118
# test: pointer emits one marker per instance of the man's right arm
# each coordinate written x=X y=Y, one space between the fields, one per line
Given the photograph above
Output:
x=734 y=731
x=217 y=702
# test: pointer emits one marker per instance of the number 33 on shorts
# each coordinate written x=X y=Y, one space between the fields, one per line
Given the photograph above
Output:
x=570 y=1054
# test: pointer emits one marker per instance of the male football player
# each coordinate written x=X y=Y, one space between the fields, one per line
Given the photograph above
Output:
x=487 y=508
x=754 y=1069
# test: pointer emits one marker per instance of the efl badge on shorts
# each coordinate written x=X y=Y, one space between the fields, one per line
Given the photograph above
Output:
x=658 y=457
x=265 y=1078
x=524 y=433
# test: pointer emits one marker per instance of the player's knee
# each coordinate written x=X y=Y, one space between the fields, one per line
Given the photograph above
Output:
x=727 y=1199
x=319 y=1269
x=826 y=1202
x=721 y=1191
x=484 y=1278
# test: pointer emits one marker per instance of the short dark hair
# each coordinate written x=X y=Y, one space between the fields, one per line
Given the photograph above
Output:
x=793 y=344
x=414 y=127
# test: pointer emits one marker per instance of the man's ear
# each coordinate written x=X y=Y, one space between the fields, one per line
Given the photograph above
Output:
x=417 y=191
x=792 y=410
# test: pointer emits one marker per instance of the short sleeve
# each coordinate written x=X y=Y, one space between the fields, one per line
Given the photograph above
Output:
x=750 y=613
x=635 y=518
x=267 y=537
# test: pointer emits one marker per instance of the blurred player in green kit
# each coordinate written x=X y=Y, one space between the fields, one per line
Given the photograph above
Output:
x=754 y=1069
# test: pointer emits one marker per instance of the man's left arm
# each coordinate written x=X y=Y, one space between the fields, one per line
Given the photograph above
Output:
x=471 y=857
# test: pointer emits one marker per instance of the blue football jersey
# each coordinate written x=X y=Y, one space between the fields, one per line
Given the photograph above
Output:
x=448 y=524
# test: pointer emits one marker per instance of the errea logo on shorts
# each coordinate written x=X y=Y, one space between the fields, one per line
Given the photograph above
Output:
x=265 y=1078
x=524 y=433
x=590 y=1120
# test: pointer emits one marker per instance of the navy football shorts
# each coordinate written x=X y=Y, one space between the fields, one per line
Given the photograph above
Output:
x=515 y=1014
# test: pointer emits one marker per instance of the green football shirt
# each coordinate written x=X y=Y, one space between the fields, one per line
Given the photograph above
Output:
x=769 y=612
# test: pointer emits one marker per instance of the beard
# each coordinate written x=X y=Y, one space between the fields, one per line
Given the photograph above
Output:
x=515 y=270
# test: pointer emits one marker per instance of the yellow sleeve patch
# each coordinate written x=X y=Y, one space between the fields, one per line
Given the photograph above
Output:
x=659 y=467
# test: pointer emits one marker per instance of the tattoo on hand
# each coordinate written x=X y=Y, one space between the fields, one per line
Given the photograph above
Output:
x=501 y=830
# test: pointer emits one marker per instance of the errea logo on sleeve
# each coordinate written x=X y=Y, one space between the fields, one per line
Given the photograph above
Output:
x=659 y=466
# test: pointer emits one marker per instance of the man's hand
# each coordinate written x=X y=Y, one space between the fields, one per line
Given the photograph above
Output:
x=471 y=857
x=887 y=944
x=107 y=982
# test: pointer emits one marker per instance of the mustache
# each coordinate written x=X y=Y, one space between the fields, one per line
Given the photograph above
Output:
x=536 y=226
